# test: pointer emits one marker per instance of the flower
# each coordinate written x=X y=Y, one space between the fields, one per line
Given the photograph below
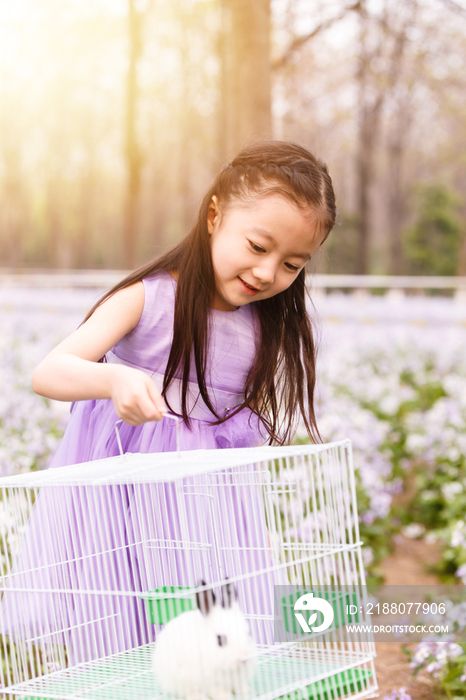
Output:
x=413 y=531
x=400 y=694
x=458 y=537
x=461 y=573
x=451 y=490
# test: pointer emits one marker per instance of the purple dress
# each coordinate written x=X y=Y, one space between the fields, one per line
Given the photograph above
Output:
x=69 y=525
x=91 y=431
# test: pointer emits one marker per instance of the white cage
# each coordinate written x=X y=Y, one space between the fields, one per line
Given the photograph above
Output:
x=95 y=558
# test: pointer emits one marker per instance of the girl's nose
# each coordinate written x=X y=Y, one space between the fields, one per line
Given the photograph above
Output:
x=265 y=273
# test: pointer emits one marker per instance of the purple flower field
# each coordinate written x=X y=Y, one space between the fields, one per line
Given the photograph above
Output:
x=366 y=344
x=391 y=377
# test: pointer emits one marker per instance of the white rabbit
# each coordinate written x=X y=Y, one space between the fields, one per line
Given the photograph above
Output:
x=208 y=652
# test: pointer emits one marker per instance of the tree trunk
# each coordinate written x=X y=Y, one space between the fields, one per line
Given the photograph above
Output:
x=55 y=229
x=132 y=150
x=395 y=207
x=461 y=268
x=12 y=219
x=84 y=253
x=246 y=112
x=396 y=187
x=371 y=101
x=462 y=258
x=369 y=123
x=364 y=156
x=186 y=130
x=364 y=179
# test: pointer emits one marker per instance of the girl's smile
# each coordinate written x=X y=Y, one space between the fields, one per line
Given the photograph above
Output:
x=259 y=248
x=247 y=288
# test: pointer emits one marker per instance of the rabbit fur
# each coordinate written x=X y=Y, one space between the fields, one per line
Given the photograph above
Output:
x=208 y=652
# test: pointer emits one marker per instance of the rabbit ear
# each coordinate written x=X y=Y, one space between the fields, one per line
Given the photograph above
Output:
x=229 y=594
x=205 y=599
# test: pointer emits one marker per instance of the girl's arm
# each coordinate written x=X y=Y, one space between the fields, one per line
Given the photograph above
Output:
x=71 y=371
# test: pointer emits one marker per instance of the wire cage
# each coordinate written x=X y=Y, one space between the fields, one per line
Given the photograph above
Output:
x=100 y=561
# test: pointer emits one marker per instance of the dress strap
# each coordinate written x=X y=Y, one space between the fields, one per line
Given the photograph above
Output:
x=223 y=401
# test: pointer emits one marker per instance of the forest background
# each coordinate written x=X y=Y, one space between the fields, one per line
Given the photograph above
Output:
x=115 y=115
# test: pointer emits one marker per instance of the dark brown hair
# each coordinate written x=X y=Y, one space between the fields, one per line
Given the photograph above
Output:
x=281 y=382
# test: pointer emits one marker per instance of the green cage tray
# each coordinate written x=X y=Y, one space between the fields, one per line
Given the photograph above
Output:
x=162 y=610
x=129 y=676
x=351 y=681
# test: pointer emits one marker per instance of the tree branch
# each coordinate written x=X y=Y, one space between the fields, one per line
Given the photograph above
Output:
x=454 y=7
x=300 y=40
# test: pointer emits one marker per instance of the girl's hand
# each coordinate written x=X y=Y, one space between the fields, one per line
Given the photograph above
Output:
x=135 y=396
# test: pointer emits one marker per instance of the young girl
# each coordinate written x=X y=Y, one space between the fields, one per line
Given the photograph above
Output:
x=215 y=331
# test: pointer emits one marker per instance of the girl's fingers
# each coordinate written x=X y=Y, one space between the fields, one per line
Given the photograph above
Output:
x=138 y=402
x=130 y=418
x=156 y=397
x=136 y=420
x=139 y=413
x=149 y=407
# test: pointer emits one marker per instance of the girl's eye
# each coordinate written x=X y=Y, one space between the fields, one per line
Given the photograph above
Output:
x=256 y=248
x=291 y=267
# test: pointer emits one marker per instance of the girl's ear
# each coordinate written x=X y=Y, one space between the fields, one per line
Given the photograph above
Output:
x=213 y=214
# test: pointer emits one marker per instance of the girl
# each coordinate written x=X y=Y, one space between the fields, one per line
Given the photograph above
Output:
x=215 y=331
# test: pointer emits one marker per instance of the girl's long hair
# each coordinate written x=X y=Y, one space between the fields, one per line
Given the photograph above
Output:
x=281 y=382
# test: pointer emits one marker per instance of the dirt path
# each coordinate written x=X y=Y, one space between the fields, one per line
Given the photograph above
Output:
x=407 y=565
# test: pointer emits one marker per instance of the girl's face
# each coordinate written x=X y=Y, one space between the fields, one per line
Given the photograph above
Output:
x=259 y=248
